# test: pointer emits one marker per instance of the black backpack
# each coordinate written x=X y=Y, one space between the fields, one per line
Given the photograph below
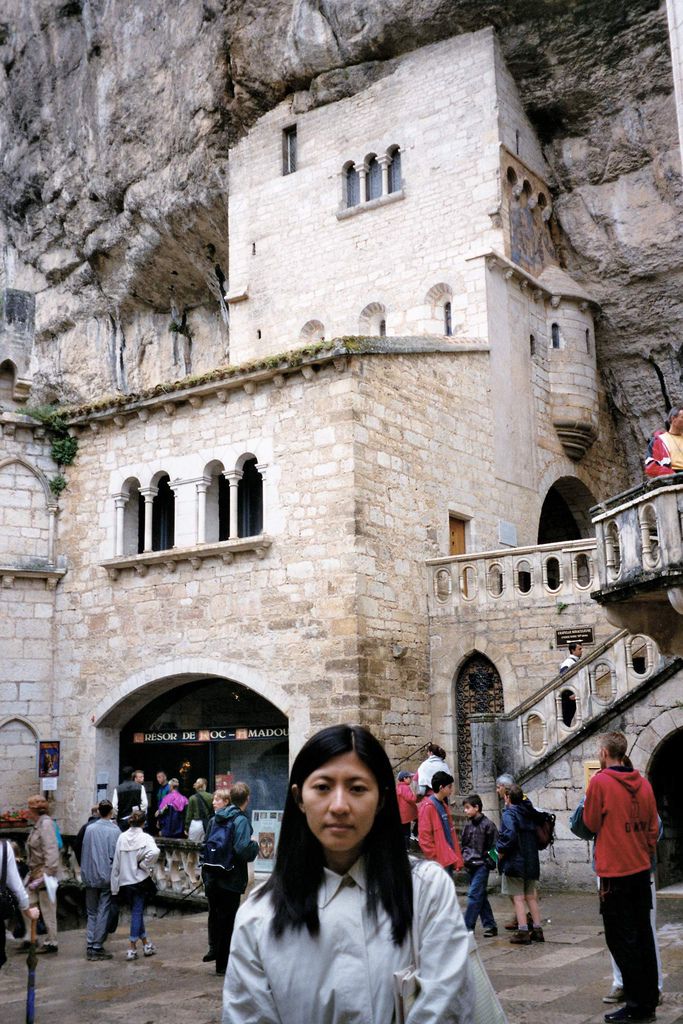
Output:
x=218 y=849
x=545 y=829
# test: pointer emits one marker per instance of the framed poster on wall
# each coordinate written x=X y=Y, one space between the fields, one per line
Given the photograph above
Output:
x=266 y=825
x=48 y=759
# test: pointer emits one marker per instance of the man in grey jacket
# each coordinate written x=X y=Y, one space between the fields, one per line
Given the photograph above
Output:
x=99 y=843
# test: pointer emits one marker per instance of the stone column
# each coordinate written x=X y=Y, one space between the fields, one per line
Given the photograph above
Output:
x=362 y=175
x=120 y=502
x=51 y=530
x=149 y=494
x=233 y=479
x=202 y=486
x=384 y=162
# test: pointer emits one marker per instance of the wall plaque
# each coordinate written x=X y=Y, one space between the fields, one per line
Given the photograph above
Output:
x=578 y=635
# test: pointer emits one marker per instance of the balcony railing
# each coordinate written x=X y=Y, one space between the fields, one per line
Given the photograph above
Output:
x=640 y=560
x=512 y=576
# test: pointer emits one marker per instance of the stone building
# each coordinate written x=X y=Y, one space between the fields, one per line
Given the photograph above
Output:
x=379 y=511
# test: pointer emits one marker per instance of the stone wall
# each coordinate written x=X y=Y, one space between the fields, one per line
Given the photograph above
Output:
x=439 y=105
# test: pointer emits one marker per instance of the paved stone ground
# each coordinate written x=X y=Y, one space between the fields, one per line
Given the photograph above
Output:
x=559 y=982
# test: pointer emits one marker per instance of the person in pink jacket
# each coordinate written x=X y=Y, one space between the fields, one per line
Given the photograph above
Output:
x=407 y=804
x=436 y=830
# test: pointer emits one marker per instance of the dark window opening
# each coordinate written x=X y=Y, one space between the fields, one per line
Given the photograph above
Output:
x=289 y=150
x=568 y=700
x=250 y=501
x=555 y=335
x=163 y=516
x=447 y=320
x=223 y=508
x=588 y=340
x=382 y=328
x=141 y=524
x=532 y=345
x=374 y=179
x=523 y=581
x=395 y=171
x=352 y=187
x=553 y=574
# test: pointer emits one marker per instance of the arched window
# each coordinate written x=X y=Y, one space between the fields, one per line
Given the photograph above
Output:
x=217 y=503
x=25 y=500
x=447 y=320
x=7 y=377
x=395 y=181
x=312 y=332
x=373 y=321
x=556 y=340
x=351 y=185
x=373 y=179
x=250 y=500
x=163 y=515
x=478 y=690
x=439 y=299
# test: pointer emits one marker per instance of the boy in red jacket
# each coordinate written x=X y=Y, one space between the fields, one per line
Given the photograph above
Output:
x=620 y=808
x=436 y=832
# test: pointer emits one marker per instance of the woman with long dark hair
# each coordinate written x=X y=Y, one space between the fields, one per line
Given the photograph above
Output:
x=345 y=909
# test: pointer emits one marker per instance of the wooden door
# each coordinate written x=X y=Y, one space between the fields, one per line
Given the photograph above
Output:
x=457 y=535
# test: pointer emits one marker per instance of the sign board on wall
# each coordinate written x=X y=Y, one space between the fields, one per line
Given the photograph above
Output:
x=216 y=735
x=578 y=635
x=266 y=825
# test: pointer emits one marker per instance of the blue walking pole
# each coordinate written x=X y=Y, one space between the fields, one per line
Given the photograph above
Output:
x=31 y=961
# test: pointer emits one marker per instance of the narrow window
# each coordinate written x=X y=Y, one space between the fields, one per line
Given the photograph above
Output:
x=289 y=150
x=163 y=516
x=517 y=141
x=555 y=334
x=588 y=340
x=374 y=179
x=223 y=508
x=250 y=501
x=395 y=171
x=141 y=523
x=382 y=328
x=532 y=345
x=352 y=186
x=447 y=320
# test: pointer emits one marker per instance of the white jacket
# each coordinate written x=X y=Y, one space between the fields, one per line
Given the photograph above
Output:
x=344 y=974
x=135 y=855
x=428 y=769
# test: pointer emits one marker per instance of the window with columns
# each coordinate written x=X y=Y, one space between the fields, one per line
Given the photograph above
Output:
x=375 y=177
x=218 y=505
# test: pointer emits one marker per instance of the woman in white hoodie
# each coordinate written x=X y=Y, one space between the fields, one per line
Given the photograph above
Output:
x=135 y=855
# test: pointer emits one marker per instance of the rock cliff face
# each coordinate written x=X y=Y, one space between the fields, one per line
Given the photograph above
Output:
x=115 y=125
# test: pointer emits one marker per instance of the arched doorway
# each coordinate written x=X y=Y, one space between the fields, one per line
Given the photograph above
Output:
x=212 y=728
x=478 y=690
x=664 y=776
x=565 y=514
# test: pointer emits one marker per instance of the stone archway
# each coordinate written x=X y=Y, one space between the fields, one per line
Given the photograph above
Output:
x=664 y=775
x=565 y=514
x=132 y=694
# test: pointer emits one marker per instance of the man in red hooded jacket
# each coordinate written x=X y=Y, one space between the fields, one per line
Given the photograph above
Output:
x=620 y=808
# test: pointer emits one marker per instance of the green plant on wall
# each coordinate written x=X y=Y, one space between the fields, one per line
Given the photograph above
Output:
x=64 y=447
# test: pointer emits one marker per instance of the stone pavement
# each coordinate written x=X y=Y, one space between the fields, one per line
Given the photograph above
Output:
x=559 y=982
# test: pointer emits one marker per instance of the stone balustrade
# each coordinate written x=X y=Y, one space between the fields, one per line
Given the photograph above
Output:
x=568 y=702
x=517 y=576
x=640 y=560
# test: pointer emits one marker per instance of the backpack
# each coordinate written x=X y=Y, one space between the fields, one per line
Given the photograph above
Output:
x=218 y=849
x=172 y=822
x=545 y=829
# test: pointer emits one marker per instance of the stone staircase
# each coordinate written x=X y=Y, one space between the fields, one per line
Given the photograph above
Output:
x=542 y=729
